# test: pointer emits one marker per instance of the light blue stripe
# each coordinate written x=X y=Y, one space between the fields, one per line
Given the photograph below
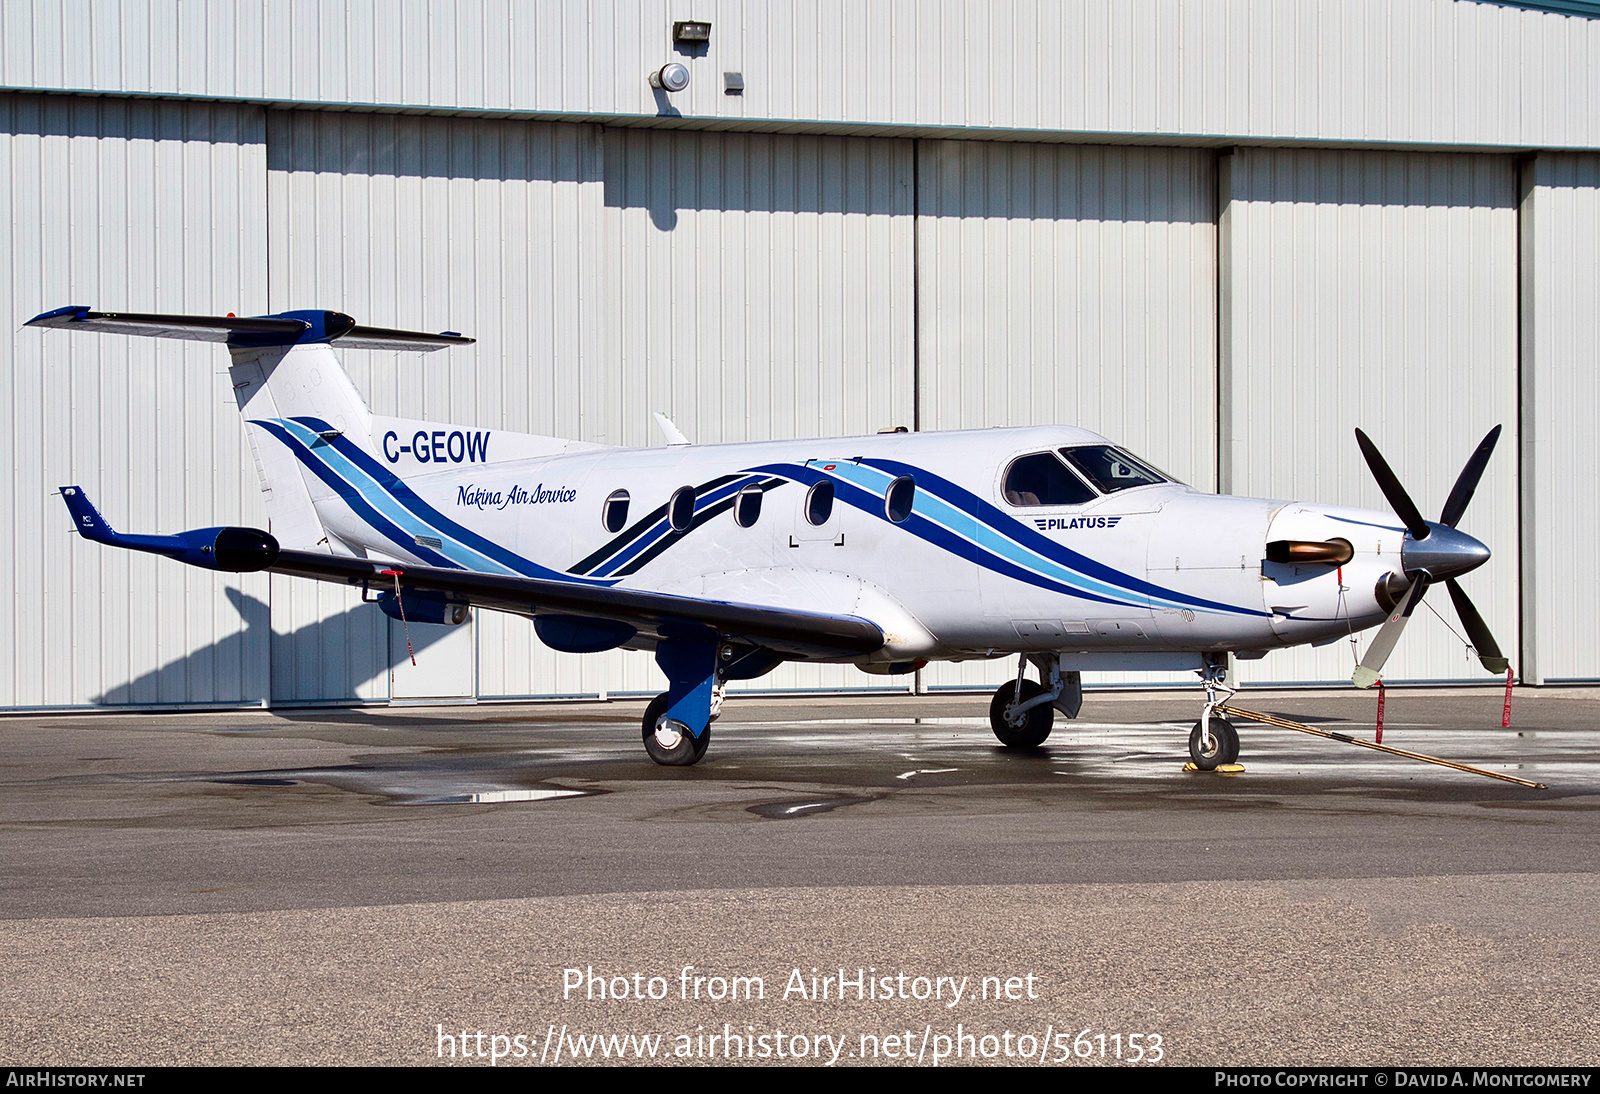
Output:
x=936 y=509
x=379 y=498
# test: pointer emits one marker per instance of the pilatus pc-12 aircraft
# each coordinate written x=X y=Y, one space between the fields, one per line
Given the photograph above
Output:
x=1047 y=543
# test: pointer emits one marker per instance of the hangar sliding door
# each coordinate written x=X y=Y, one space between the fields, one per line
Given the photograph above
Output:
x=1561 y=416
x=758 y=287
x=126 y=206
x=1075 y=286
x=1379 y=290
x=750 y=286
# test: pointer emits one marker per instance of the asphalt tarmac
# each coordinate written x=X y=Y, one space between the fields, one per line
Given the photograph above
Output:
x=382 y=884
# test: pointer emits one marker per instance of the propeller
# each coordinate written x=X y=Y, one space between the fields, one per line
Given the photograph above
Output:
x=1432 y=552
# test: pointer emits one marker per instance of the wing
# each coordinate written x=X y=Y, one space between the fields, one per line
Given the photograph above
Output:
x=652 y=616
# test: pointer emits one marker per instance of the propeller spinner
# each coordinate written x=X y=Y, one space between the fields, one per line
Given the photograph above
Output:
x=1432 y=552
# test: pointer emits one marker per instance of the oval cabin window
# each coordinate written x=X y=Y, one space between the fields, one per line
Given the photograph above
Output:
x=747 y=506
x=897 y=500
x=819 y=503
x=680 y=510
x=615 y=513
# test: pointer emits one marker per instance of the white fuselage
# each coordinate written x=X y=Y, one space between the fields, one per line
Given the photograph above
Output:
x=1141 y=571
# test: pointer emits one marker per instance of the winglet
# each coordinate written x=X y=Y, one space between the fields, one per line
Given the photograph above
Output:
x=86 y=518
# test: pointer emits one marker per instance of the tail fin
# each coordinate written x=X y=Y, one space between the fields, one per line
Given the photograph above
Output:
x=283 y=370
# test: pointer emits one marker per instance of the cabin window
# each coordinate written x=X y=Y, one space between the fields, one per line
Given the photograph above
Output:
x=747 y=506
x=680 y=510
x=615 y=512
x=897 y=500
x=1042 y=479
x=819 y=503
x=1111 y=469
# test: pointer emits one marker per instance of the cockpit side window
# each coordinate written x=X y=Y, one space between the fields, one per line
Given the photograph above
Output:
x=1042 y=479
x=1111 y=469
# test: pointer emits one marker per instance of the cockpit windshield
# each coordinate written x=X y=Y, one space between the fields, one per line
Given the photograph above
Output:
x=1111 y=469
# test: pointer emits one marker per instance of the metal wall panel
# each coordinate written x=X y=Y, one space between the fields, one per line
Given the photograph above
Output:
x=762 y=287
x=1561 y=417
x=1375 y=290
x=750 y=286
x=128 y=206
x=1075 y=286
x=1398 y=71
x=434 y=224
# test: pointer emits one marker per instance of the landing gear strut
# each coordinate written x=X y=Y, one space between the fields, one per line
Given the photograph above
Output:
x=1213 y=741
x=677 y=723
x=1022 y=712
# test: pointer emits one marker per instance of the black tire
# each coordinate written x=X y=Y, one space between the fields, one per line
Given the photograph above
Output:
x=1224 y=742
x=685 y=752
x=1036 y=723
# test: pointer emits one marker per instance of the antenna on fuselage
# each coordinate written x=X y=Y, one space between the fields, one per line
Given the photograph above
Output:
x=673 y=434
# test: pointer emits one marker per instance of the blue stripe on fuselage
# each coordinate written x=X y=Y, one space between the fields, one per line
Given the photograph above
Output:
x=663 y=528
x=388 y=504
x=353 y=498
x=996 y=540
x=1020 y=533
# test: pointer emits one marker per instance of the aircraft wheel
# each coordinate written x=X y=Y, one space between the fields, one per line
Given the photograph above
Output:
x=1224 y=745
x=670 y=743
x=1032 y=728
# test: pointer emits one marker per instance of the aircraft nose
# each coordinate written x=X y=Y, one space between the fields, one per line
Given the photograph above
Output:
x=1444 y=553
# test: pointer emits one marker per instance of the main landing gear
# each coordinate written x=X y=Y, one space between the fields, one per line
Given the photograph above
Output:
x=1213 y=741
x=668 y=741
x=1022 y=711
x=677 y=723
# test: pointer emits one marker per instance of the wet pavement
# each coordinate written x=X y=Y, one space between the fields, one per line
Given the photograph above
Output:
x=165 y=813
x=152 y=831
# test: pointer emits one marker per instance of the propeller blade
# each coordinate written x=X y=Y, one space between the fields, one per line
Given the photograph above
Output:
x=1477 y=630
x=1371 y=666
x=1399 y=500
x=1456 y=504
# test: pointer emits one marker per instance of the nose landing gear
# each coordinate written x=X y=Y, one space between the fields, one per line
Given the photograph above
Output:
x=1220 y=746
x=1213 y=741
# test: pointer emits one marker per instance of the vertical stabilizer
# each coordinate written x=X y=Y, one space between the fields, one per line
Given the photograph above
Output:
x=306 y=384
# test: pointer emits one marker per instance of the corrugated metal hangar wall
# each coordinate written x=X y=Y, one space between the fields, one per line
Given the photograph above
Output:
x=1230 y=312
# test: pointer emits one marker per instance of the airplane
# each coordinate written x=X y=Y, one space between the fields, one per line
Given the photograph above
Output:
x=1047 y=543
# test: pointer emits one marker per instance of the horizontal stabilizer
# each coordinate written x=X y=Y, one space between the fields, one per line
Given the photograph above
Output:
x=188 y=328
x=415 y=341
x=285 y=329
